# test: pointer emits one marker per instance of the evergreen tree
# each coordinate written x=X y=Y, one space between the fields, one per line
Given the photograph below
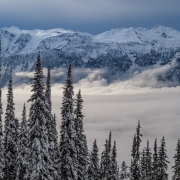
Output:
x=17 y=130
x=176 y=167
x=109 y=142
x=155 y=162
x=51 y=124
x=56 y=133
x=114 y=166
x=81 y=143
x=48 y=89
x=143 y=164
x=93 y=168
x=133 y=154
x=124 y=175
x=148 y=162
x=22 y=162
x=1 y=126
x=40 y=163
x=131 y=169
x=10 y=136
x=105 y=163
x=68 y=152
x=138 y=140
x=136 y=169
x=162 y=161
x=56 y=147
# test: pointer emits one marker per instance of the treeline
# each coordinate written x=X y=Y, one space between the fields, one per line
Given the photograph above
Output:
x=30 y=150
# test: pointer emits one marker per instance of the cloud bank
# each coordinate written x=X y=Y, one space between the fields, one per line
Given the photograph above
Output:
x=102 y=82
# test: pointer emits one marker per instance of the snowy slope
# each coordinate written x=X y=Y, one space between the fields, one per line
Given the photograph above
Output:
x=118 y=49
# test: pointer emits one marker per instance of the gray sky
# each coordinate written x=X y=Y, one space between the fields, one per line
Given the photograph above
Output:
x=94 y=16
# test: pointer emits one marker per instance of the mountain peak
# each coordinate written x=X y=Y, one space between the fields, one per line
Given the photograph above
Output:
x=163 y=28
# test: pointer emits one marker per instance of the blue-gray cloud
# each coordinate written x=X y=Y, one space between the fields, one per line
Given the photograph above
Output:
x=90 y=16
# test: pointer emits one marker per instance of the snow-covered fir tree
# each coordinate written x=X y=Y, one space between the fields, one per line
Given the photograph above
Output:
x=56 y=147
x=148 y=156
x=176 y=167
x=114 y=165
x=51 y=136
x=133 y=154
x=124 y=175
x=105 y=166
x=1 y=126
x=155 y=161
x=136 y=169
x=51 y=124
x=48 y=88
x=22 y=163
x=10 y=137
x=81 y=143
x=17 y=130
x=40 y=163
x=134 y=146
x=68 y=152
x=109 y=142
x=143 y=164
x=162 y=161
x=93 y=167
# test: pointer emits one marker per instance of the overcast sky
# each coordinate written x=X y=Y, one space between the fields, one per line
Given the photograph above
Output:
x=93 y=16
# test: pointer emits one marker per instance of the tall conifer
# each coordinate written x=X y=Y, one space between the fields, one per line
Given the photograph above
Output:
x=143 y=164
x=133 y=154
x=162 y=161
x=93 y=167
x=136 y=169
x=68 y=152
x=134 y=147
x=81 y=143
x=148 y=162
x=155 y=162
x=114 y=165
x=124 y=175
x=56 y=146
x=105 y=163
x=51 y=124
x=176 y=167
x=22 y=162
x=109 y=142
x=10 y=137
x=40 y=162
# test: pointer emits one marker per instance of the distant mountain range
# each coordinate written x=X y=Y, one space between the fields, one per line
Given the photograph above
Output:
x=120 y=50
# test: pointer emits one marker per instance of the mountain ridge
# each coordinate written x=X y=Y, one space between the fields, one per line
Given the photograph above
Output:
x=118 y=49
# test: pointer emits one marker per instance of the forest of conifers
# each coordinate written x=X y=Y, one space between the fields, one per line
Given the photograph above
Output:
x=30 y=150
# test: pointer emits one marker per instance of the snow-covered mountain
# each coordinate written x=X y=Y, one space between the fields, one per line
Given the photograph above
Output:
x=121 y=50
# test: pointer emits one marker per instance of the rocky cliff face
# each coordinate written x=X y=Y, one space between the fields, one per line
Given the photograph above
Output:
x=119 y=49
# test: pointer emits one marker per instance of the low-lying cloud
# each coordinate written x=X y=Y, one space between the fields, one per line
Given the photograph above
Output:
x=103 y=82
